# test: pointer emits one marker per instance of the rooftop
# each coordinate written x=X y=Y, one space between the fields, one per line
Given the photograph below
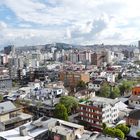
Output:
x=101 y=101
x=135 y=114
x=39 y=126
x=6 y=107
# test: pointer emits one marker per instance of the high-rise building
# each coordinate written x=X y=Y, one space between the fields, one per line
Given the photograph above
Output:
x=139 y=45
x=9 y=49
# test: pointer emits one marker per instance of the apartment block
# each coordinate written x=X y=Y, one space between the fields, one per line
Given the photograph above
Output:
x=71 y=78
x=99 y=110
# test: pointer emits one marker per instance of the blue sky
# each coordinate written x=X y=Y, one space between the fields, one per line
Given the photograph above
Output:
x=34 y=22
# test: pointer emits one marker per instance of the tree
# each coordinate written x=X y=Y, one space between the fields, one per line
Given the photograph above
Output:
x=81 y=85
x=126 y=86
x=69 y=102
x=123 y=128
x=1 y=98
x=61 y=112
x=119 y=76
x=114 y=132
x=119 y=133
x=105 y=90
x=138 y=134
x=109 y=131
x=115 y=93
x=104 y=125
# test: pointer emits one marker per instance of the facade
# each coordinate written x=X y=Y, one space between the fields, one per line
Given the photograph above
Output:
x=9 y=49
x=71 y=78
x=96 y=84
x=97 y=59
x=136 y=90
x=133 y=120
x=134 y=101
x=98 y=110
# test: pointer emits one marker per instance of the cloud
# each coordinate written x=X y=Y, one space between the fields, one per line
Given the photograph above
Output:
x=88 y=30
x=3 y=25
x=79 y=21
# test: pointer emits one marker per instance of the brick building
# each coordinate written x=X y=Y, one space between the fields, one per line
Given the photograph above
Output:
x=71 y=78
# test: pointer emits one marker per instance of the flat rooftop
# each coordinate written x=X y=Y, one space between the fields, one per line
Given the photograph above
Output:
x=100 y=101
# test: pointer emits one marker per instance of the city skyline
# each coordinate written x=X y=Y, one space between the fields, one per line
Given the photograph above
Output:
x=34 y=22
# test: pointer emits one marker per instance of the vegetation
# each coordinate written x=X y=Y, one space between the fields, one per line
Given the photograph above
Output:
x=105 y=90
x=109 y=91
x=138 y=134
x=61 y=112
x=69 y=102
x=119 y=134
x=114 y=132
x=119 y=76
x=126 y=86
x=120 y=131
x=115 y=93
x=1 y=98
x=104 y=125
x=81 y=85
x=125 y=129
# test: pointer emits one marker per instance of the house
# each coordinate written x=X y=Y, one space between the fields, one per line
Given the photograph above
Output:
x=95 y=84
x=134 y=101
x=98 y=110
x=85 y=94
x=133 y=120
x=11 y=116
x=136 y=90
x=48 y=129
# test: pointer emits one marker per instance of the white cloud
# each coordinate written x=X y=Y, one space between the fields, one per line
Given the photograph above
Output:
x=3 y=25
x=78 y=21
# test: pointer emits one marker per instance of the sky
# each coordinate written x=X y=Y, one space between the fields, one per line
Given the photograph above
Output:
x=35 y=22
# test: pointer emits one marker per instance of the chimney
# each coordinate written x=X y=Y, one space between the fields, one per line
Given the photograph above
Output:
x=23 y=131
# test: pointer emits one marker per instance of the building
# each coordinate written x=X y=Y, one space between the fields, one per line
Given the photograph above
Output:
x=9 y=49
x=11 y=117
x=133 y=120
x=96 y=84
x=134 y=101
x=5 y=83
x=97 y=59
x=48 y=129
x=99 y=110
x=136 y=90
x=71 y=78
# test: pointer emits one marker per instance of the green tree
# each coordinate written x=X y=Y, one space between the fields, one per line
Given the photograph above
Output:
x=1 y=98
x=119 y=76
x=105 y=90
x=69 y=102
x=109 y=131
x=81 y=85
x=61 y=112
x=104 y=125
x=126 y=86
x=138 y=134
x=115 y=93
x=119 y=133
x=125 y=129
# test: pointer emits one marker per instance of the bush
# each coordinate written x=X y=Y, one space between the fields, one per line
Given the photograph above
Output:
x=119 y=134
x=114 y=132
x=123 y=128
x=138 y=134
